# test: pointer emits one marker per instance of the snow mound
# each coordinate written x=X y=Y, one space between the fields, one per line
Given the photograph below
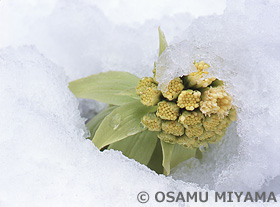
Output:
x=245 y=54
x=44 y=158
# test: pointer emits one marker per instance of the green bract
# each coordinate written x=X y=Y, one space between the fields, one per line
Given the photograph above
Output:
x=95 y=122
x=121 y=123
x=162 y=42
x=112 y=87
x=139 y=146
x=157 y=128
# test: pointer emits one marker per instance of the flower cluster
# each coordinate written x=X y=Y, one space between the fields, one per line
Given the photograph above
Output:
x=194 y=110
x=152 y=125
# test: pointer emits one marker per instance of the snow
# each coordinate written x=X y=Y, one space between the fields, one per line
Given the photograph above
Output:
x=44 y=158
x=77 y=35
x=243 y=54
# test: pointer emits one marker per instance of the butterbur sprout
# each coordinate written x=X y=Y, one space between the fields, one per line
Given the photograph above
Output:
x=151 y=96
x=187 y=142
x=197 y=79
x=153 y=125
x=188 y=118
x=222 y=125
x=144 y=84
x=174 y=89
x=210 y=123
x=189 y=99
x=207 y=135
x=173 y=127
x=215 y=100
x=167 y=110
x=152 y=122
x=232 y=114
x=194 y=130
x=166 y=137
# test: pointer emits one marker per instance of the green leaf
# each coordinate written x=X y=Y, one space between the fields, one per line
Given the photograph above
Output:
x=173 y=154
x=105 y=87
x=123 y=122
x=180 y=154
x=162 y=41
x=95 y=122
x=139 y=147
x=198 y=154
x=131 y=92
x=167 y=150
x=155 y=162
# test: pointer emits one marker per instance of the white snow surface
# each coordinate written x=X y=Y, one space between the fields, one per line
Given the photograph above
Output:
x=244 y=54
x=44 y=157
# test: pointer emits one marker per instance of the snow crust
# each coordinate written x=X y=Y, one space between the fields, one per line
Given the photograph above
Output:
x=44 y=158
x=244 y=54
x=78 y=36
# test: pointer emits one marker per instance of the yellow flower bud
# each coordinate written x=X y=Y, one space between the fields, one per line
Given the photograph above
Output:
x=174 y=89
x=152 y=122
x=205 y=82
x=194 y=130
x=151 y=96
x=225 y=122
x=210 y=123
x=206 y=135
x=169 y=138
x=144 y=84
x=154 y=73
x=195 y=82
x=189 y=99
x=173 y=127
x=167 y=110
x=190 y=118
x=194 y=117
x=187 y=142
x=217 y=82
x=232 y=114
x=215 y=100
x=216 y=138
x=201 y=69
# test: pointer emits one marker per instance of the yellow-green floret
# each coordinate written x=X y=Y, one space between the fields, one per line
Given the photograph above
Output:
x=232 y=114
x=211 y=122
x=154 y=73
x=188 y=142
x=225 y=122
x=207 y=135
x=188 y=118
x=215 y=101
x=151 y=96
x=167 y=110
x=189 y=99
x=214 y=139
x=196 y=110
x=144 y=84
x=152 y=122
x=195 y=82
x=197 y=79
x=194 y=130
x=173 y=127
x=174 y=89
x=169 y=138
x=201 y=68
